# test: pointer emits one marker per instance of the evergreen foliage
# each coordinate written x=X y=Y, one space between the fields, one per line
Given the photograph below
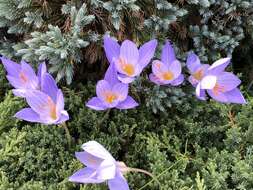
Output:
x=188 y=143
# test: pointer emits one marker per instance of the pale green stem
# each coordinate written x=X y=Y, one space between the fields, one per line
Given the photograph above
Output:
x=104 y=118
x=159 y=175
x=64 y=125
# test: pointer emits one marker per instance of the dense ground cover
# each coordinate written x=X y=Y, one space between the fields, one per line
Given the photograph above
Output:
x=193 y=144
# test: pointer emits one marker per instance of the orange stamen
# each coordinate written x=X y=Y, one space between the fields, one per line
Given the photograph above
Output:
x=167 y=75
x=198 y=75
x=110 y=97
x=127 y=67
x=52 y=108
x=218 y=89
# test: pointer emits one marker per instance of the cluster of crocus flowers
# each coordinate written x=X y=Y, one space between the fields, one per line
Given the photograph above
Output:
x=126 y=63
x=128 y=59
x=100 y=167
x=219 y=84
x=40 y=91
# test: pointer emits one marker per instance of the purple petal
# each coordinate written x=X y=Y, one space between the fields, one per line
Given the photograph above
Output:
x=102 y=87
x=49 y=86
x=168 y=54
x=11 y=67
x=176 y=68
x=119 y=182
x=88 y=159
x=63 y=117
x=129 y=52
x=233 y=96
x=85 y=175
x=200 y=93
x=129 y=103
x=228 y=81
x=96 y=104
x=19 y=92
x=193 y=62
x=179 y=80
x=219 y=66
x=146 y=52
x=106 y=170
x=193 y=81
x=125 y=79
x=41 y=71
x=60 y=101
x=158 y=68
x=112 y=49
x=28 y=114
x=43 y=105
x=97 y=150
x=15 y=82
x=111 y=74
x=155 y=79
x=121 y=90
x=31 y=76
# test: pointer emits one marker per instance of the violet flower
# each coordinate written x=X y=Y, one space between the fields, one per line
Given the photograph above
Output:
x=100 y=167
x=46 y=106
x=22 y=76
x=111 y=93
x=168 y=70
x=197 y=70
x=128 y=60
x=220 y=85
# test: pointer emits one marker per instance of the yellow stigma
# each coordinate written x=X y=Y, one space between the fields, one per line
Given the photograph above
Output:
x=23 y=77
x=167 y=75
x=218 y=89
x=127 y=67
x=199 y=74
x=110 y=97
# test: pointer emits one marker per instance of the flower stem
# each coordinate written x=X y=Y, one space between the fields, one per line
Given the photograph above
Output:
x=64 y=125
x=145 y=172
x=100 y=122
x=154 y=179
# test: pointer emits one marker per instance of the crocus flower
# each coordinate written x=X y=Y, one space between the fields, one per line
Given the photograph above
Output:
x=100 y=167
x=168 y=70
x=111 y=93
x=46 y=106
x=221 y=85
x=197 y=70
x=128 y=60
x=22 y=76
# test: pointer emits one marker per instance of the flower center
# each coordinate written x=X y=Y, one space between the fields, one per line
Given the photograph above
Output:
x=128 y=68
x=52 y=108
x=167 y=75
x=23 y=77
x=217 y=89
x=199 y=74
x=110 y=97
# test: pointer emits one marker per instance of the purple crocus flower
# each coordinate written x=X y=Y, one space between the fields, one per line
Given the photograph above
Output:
x=128 y=60
x=100 y=167
x=168 y=70
x=111 y=93
x=22 y=76
x=197 y=70
x=46 y=106
x=220 y=85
